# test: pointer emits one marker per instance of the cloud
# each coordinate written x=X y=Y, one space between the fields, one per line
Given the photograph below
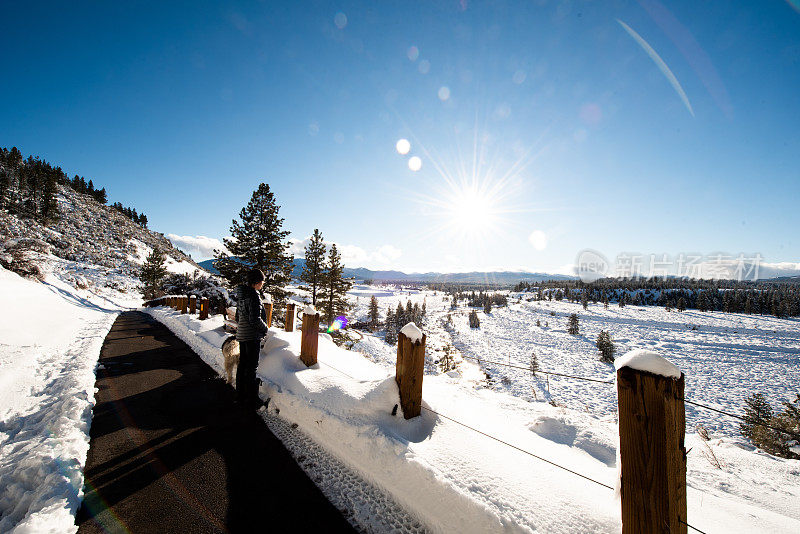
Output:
x=352 y=255
x=200 y=247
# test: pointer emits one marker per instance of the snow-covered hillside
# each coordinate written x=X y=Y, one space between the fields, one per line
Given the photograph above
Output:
x=50 y=338
x=95 y=234
x=451 y=478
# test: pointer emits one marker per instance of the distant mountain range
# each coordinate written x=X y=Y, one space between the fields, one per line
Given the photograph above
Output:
x=476 y=277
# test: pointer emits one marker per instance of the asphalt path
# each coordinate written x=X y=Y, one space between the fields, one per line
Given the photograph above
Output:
x=171 y=452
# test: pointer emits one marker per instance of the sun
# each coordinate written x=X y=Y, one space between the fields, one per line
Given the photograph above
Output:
x=471 y=212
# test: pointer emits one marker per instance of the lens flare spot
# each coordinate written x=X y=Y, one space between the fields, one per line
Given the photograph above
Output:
x=538 y=239
x=519 y=77
x=444 y=93
x=413 y=53
x=424 y=66
x=340 y=19
x=414 y=163
x=403 y=147
x=338 y=324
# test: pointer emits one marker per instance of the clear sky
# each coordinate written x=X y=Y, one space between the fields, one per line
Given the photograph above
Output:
x=542 y=128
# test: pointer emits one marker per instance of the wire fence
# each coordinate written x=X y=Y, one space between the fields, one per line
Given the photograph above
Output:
x=744 y=418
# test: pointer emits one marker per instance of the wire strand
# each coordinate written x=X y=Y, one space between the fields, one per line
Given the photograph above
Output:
x=691 y=527
x=482 y=360
x=743 y=418
x=517 y=448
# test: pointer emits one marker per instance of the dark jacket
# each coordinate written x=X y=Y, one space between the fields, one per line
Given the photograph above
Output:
x=250 y=315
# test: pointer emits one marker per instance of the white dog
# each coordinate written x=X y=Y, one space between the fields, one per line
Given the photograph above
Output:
x=230 y=350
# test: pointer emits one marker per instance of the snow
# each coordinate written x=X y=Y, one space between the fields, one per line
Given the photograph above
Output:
x=267 y=299
x=51 y=334
x=651 y=362
x=449 y=478
x=309 y=310
x=412 y=332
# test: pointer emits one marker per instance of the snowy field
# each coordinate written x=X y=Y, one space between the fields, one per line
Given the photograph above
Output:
x=450 y=478
x=726 y=357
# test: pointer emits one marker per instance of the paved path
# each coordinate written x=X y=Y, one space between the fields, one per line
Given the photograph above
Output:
x=170 y=452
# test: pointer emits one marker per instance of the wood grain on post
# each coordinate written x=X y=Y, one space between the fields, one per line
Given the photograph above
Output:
x=268 y=310
x=184 y=304
x=310 y=339
x=652 y=426
x=289 y=323
x=204 y=308
x=410 y=368
x=193 y=304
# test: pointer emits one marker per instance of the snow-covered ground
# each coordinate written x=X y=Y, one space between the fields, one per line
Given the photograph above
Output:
x=449 y=477
x=50 y=338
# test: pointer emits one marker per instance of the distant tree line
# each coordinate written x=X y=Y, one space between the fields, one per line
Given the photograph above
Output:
x=765 y=297
x=29 y=187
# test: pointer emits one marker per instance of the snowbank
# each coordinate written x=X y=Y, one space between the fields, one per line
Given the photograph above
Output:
x=51 y=338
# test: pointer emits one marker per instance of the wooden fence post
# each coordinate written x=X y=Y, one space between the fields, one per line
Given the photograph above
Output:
x=204 y=308
x=268 y=310
x=184 y=304
x=192 y=304
x=410 y=368
x=310 y=337
x=289 y=323
x=652 y=423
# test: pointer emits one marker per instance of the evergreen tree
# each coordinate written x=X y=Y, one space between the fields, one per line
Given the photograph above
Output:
x=374 y=312
x=49 y=208
x=681 y=306
x=335 y=286
x=487 y=307
x=90 y=188
x=152 y=274
x=314 y=265
x=258 y=241
x=606 y=347
x=474 y=320
x=391 y=329
x=143 y=220
x=101 y=196
x=572 y=325
x=758 y=411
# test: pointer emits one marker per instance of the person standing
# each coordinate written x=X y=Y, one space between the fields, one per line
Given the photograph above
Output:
x=252 y=327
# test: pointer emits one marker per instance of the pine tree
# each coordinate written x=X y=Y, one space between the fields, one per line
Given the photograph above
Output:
x=391 y=329
x=335 y=286
x=49 y=208
x=143 y=220
x=572 y=325
x=757 y=412
x=90 y=188
x=315 y=262
x=152 y=274
x=487 y=306
x=606 y=347
x=258 y=241
x=681 y=306
x=374 y=312
x=101 y=196
x=474 y=320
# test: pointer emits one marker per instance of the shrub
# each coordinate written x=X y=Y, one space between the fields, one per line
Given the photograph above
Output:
x=24 y=256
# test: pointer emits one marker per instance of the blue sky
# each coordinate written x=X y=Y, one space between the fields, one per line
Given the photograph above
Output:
x=555 y=127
